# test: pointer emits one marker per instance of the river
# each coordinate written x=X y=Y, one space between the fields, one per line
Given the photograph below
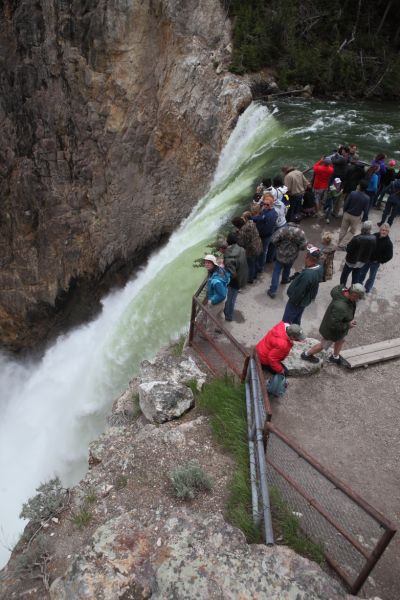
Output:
x=51 y=409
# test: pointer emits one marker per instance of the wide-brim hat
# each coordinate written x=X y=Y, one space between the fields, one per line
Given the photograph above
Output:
x=211 y=258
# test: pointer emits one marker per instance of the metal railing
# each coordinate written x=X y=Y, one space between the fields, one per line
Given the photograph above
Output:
x=352 y=533
x=256 y=418
x=236 y=360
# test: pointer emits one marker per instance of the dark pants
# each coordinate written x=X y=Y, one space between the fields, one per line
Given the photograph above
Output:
x=230 y=303
x=372 y=267
x=355 y=275
x=293 y=313
x=295 y=206
x=392 y=209
x=252 y=267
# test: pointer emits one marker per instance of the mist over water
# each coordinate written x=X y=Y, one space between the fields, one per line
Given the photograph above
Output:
x=51 y=409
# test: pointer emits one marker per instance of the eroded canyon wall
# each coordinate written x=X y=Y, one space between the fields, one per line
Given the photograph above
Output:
x=112 y=117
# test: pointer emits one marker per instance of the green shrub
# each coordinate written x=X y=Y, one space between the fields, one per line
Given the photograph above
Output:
x=188 y=480
x=50 y=498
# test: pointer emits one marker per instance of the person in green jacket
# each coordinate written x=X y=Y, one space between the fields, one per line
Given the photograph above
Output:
x=304 y=287
x=338 y=319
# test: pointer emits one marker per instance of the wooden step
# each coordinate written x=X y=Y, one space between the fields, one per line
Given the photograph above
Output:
x=371 y=353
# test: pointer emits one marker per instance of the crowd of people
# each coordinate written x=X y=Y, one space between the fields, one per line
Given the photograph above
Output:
x=341 y=186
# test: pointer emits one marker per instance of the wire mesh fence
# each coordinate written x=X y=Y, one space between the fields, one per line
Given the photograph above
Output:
x=352 y=533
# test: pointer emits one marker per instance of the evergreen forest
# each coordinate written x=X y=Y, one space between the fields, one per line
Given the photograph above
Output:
x=338 y=46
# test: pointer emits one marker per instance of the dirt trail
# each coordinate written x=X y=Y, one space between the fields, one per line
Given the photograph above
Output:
x=349 y=420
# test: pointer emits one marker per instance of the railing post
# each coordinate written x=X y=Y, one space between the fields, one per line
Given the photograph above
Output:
x=192 y=319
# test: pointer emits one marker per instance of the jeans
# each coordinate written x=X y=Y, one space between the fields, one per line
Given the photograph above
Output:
x=372 y=267
x=355 y=275
x=293 y=313
x=230 y=303
x=262 y=258
x=328 y=207
x=295 y=205
x=252 y=266
x=278 y=267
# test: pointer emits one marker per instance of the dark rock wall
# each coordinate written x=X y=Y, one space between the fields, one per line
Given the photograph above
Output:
x=112 y=116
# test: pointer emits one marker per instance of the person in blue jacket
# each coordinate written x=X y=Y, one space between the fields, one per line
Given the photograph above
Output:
x=217 y=289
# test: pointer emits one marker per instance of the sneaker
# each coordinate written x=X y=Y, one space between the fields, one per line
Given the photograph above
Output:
x=271 y=294
x=335 y=361
x=379 y=224
x=309 y=357
x=327 y=221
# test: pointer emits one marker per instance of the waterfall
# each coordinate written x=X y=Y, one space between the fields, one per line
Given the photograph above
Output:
x=51 y=409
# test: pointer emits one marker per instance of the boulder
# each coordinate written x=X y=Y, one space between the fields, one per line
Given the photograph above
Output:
x=176 y=369
x=162 y=401
x=189 y=555
x=296 y=365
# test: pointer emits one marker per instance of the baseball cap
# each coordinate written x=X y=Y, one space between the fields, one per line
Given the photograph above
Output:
x=359 y=289
x=392 y=163
x=211 y=258
x=295 y=332
x=313 y=251
x=221 y=243
x=337 y=180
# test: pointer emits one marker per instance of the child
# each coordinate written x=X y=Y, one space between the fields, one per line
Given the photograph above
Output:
x=334 y=191
x=327 y=254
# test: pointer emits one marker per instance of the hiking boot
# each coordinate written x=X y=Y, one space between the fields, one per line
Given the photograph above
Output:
x=379 y=224
x=285 y=281
x=271 y=294
x=309 y=357
x=335 y=361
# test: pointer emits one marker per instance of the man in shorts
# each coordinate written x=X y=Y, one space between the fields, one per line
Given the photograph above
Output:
x=338 y=320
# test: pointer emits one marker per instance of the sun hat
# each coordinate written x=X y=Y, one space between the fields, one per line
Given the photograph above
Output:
x=295 y=332
x=211 y=258
x=359 y=289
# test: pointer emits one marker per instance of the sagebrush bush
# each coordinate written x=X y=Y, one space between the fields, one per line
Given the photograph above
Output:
x=50 y=498
x=188 y=480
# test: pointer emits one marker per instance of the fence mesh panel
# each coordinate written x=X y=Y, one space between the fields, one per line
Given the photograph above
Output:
x=354 y=520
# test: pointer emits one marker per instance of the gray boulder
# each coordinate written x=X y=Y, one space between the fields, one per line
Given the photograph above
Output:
x=162 y=401
x=296 y=365
x=177 y=369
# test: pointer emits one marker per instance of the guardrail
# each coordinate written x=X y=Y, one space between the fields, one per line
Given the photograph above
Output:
x=200 y=316
x=352 y=533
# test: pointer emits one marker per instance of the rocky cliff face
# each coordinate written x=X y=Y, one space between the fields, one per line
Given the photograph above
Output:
x=112 y=117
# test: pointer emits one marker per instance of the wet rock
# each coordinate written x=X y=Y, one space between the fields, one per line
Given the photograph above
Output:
x=296 y=365
x=188 y=556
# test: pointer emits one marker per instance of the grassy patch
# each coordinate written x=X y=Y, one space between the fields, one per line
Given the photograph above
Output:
x=224 y=400
x=188 y=480
x=82 y=517
x=287 y=527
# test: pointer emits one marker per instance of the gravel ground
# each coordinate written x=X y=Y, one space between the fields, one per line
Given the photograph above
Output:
x=348 y=420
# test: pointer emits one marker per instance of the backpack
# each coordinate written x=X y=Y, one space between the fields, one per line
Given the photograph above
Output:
x=277 y=385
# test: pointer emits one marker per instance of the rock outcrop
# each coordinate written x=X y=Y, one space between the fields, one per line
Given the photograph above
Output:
x=188 y=556
x=112 y=117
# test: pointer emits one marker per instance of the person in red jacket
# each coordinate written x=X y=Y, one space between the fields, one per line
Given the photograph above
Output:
x=323 y=171
x=276 y=345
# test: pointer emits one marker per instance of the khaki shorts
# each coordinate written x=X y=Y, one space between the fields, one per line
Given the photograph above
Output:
x=328 y=343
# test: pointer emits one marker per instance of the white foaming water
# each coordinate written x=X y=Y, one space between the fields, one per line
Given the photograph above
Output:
x=51 y=409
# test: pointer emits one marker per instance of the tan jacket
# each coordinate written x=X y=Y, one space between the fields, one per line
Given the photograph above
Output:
x=295 y=182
